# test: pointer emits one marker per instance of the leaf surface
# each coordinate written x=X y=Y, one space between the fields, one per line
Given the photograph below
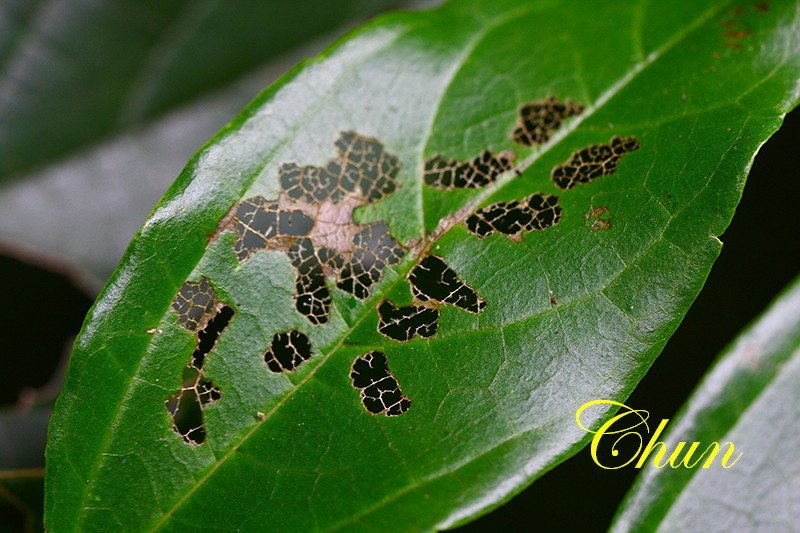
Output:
x=749 y=398
x=527 y=280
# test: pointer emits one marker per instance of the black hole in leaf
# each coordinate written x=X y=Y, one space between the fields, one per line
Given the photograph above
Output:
x=207 y=337
x=536 y=212
x=433 y=280
x=539 y=120
x=197 y=307
x=288 y=351
x=447 y=174
x=312 y=299
x=380 y=392
x=260 y=223
x=593 y=162
x=375 y=248
x=404 y=323
x=363 y=167
x=194 y=304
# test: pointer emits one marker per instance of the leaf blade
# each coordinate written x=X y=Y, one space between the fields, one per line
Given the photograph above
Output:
x=669 y=250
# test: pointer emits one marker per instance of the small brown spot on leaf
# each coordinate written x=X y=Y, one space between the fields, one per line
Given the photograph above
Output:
x=448 y=174
x=597 y=218
x=762 y=6
x=539 y=120
x=593 y=162
x=536 y=212
x=288 y=351
x=380 y=392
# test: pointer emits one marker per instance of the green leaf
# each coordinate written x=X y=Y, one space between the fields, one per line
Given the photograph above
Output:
x=749 y=398
x=513 y=331
x=136 y=88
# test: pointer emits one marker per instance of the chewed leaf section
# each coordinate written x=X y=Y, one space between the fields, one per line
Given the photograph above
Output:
x=433 y=284
x=312 y=297
x=288 y=351
x=374 y=249
x=363 y=168
x=593 y=162
x=261 y=224
x=432 y=280
x=380 y=392
x=312 y=222
x=535 y=212
x=200 y=312
x=195 y=304
x=539 y=120
x=443 y=173
x=405 y=323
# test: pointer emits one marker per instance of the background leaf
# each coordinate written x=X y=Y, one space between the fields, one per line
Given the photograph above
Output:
x=493 y=394
x=749 y=398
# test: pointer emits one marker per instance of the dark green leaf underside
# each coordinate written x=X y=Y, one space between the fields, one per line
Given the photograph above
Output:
x=573 y=311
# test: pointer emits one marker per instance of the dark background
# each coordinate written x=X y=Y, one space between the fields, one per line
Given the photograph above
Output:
x=42 y=310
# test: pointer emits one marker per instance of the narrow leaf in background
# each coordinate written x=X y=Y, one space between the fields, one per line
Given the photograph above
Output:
x=750 y=398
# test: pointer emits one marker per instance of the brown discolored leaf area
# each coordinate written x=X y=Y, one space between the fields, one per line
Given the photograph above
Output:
x=598 y=218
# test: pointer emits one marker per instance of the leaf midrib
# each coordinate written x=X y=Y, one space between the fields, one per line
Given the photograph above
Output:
x=560 y=135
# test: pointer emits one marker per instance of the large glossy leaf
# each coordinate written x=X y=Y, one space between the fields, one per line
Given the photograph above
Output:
x=750 y=398
x=484 y=395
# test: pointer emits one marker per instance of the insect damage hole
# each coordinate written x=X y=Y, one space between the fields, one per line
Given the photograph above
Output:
x=200 y=312
x=433 y=284
x=312 y=221
x=380 y=392
x=448 y=174
x=539 y=120
x=592 y=162
x=534 y=213
x=432 y=280
x=288 y=351
x=404 y=323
